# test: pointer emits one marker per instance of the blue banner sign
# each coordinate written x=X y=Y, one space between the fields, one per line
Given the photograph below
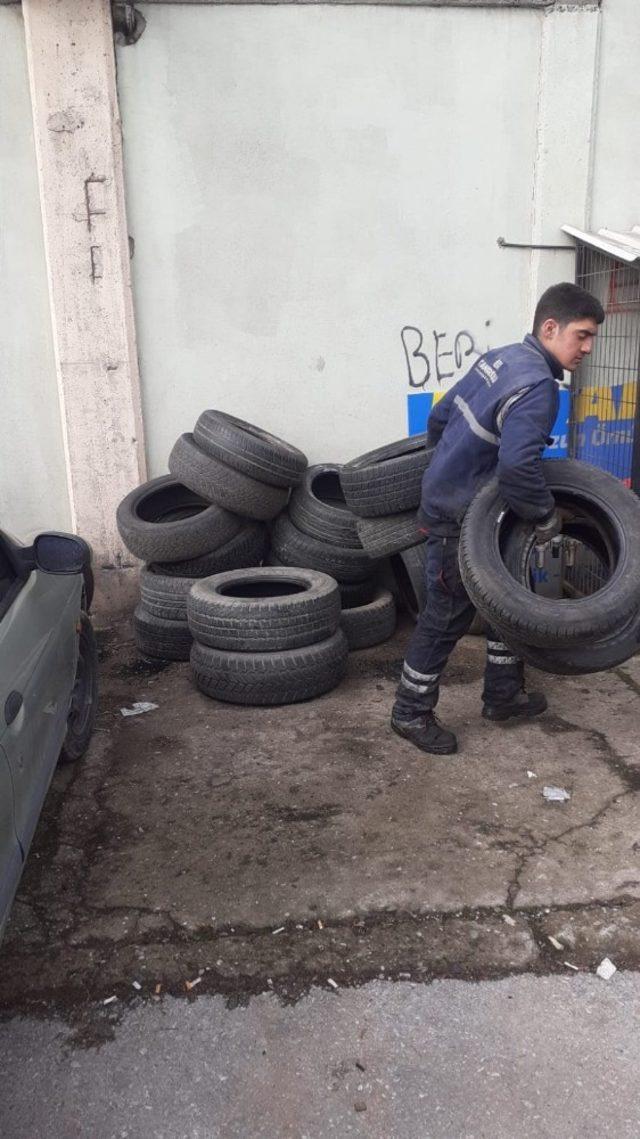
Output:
x=419 y=405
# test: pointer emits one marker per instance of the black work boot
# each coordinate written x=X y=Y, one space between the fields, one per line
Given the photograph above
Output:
x=523 y=705
x=427 y=734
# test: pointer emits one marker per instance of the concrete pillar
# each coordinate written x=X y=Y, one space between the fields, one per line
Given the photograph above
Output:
x=79 y=155
x=567 y=89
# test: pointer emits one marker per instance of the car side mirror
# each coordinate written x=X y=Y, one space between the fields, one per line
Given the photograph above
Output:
x=60 y=553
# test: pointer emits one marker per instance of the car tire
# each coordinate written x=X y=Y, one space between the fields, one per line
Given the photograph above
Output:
x=357 y=593
x=249 y=449
x=220 y=483
x=246 y=548
x=508 y=604
x=159 y=639
x=409 y=570
x=317 y=508
x=84 y=699
x=382 y=537
x=163 y=595
x=293 y=548
x=285 y=677
x=371 y=624
x=264 y=609
x=351 y=592
x=163 y=520
x=581 y=660
x=387 y=480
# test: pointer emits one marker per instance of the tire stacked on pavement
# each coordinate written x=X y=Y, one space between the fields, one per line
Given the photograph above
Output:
x=207 y=516
x=227 y=496
x=382 y=489
x=269 y=635
x=595 y=625
x=320 y=532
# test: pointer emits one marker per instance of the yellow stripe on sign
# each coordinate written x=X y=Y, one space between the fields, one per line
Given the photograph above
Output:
x=438 y=396
x=605 y=404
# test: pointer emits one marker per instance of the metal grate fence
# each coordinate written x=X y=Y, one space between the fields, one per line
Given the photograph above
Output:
x=604 y=416
x=603 y=424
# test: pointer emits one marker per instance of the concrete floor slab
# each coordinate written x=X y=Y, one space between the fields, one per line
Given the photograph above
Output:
x=199 y=822
x=255 y=815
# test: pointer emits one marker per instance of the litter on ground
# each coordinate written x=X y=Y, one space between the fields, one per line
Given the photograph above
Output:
x=138 y=708
x=508 y=919
x=556 y=944
x=606 y=969
x=555 y=794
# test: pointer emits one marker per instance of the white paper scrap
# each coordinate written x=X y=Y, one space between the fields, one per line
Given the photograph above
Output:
x=606 y=969
x=555 y=794
x=138 y=708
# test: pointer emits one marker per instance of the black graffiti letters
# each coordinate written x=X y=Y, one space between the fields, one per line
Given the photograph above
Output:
x=435 y=358
x=440 y=376
x=460 y=352
x=420 y=374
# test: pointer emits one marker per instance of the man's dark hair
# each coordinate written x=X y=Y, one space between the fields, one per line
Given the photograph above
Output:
x=564 y=303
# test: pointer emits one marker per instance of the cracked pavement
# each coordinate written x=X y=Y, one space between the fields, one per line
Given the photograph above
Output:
x=191 y=834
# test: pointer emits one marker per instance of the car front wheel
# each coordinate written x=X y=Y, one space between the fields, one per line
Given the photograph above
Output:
x=84 y=698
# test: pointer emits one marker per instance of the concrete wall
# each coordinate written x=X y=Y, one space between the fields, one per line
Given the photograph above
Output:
x=33 y=486
x=315 y=195
x=616 y=155
x=305 y=183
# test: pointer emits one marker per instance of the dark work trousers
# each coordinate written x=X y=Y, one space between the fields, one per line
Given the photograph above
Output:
x=446 y=617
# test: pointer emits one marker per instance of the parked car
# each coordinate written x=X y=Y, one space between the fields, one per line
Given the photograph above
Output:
x=48 y=683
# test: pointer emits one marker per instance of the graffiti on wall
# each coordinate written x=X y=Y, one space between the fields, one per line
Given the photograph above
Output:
x=439 y=359
x=434 y=359
x=438 y=356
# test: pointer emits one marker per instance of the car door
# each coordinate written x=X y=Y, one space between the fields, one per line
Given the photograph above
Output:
x=10 y=852
x=38 y=646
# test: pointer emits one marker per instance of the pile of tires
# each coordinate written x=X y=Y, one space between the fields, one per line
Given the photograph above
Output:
x=209 y=515
x=238 y=498
x=318 y=531
x=266 y=636
x=382 y=489
x=577 y=633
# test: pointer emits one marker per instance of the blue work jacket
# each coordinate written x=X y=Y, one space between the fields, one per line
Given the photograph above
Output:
x=498 y=417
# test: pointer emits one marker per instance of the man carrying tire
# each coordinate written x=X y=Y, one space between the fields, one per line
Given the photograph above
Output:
x=496 y=419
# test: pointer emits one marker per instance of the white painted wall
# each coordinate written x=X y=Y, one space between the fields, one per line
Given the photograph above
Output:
x=33 y=485
x=616 y=154
x=302 y=182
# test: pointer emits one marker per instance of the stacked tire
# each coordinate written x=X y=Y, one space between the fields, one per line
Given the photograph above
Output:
x=382 y=489
x=209 y=515
x=319 y=531
x=577 y=633
x=266 y=636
